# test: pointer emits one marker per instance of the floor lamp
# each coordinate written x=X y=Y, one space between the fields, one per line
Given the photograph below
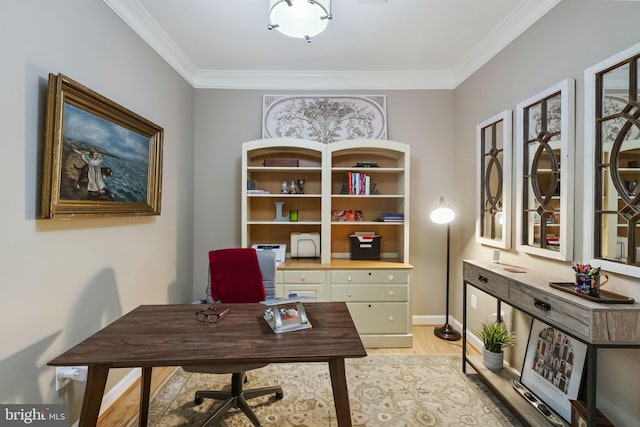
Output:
x=444 y=215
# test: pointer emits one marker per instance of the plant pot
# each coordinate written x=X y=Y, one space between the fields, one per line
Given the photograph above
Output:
x=492 y=361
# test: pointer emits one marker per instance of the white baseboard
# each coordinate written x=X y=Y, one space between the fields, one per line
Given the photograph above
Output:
x=120 y=388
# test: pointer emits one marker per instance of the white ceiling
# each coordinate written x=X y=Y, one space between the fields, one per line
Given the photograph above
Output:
x=369 y=44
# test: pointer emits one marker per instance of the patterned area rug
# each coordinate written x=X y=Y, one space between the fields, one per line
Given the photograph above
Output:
x=391 y=390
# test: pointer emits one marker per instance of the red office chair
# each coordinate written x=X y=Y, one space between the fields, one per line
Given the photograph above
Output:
x=235 y=278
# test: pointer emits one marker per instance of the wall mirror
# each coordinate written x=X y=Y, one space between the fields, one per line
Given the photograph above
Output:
x=612 y=151
x=493 y=193
x=544 y=172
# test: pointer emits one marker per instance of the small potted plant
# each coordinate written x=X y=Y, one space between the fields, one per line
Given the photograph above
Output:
x=495 y=338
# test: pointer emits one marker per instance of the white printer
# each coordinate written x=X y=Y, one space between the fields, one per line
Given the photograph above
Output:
x=279 y=249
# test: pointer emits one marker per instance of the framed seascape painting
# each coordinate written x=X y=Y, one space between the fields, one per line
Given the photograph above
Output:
x=553 y=367
x=100 y=159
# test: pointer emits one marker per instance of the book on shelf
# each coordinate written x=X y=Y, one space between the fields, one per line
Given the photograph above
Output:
x=391 y=217
x=358 y=184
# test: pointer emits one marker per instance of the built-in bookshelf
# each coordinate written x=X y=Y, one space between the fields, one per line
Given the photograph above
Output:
x=349 y=186
x=354 y=187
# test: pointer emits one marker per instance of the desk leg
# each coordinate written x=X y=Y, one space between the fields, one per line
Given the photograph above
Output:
x=96 y=382
x=464 y=326
x=592 y=367
x=145 y=391
x=340 y=393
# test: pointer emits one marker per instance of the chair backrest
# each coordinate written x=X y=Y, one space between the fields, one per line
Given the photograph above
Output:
x=267 y=262
x=236 y=276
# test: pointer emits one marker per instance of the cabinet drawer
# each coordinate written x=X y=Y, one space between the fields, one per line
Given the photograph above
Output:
x=370 y=276
x=572 y=318
x=370 y=292
x=379 y=318
x=302 y=276
x=310 y=290
x=487 y=281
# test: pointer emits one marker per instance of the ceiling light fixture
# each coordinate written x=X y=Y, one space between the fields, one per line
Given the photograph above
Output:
x=301 y=19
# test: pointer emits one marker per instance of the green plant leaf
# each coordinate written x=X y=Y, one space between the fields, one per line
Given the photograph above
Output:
x=495 y=336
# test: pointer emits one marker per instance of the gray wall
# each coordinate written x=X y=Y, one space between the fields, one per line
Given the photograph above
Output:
x=571 y=37
x=60 y=281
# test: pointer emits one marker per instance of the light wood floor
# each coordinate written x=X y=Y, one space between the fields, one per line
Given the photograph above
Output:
x=126 y=408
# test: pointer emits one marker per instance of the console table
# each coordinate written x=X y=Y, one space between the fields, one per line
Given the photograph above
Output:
x=595 y=324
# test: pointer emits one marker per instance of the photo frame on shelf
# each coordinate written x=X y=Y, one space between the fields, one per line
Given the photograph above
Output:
x=553 y=366
x=99 y=158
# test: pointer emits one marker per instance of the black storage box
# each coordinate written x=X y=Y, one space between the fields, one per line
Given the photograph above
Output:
x=365 y=246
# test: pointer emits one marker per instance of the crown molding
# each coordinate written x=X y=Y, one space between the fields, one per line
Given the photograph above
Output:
x=137 y=17
x=132 y=13
x=322 y=80
x=521 y=18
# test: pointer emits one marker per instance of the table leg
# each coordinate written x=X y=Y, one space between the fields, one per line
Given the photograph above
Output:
x=145 y=391
x=340 y=393
x=96 y=382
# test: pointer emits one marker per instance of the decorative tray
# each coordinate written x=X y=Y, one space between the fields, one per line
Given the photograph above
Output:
x=605 y=297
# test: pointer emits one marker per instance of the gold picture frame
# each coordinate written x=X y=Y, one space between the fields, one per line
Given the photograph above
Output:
x=100 y=159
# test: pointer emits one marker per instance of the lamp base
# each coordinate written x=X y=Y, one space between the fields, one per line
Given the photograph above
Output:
x=446 y=332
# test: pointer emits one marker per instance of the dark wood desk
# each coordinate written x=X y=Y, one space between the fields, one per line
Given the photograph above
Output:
x=170 y=335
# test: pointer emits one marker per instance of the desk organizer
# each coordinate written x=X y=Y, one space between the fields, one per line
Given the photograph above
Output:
x=278 y=318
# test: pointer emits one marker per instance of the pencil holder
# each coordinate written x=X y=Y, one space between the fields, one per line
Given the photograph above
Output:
x=589 y=284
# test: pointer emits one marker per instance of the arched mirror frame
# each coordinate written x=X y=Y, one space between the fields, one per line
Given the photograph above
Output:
x=544 y=213
x=606 y=176
x=493 y=192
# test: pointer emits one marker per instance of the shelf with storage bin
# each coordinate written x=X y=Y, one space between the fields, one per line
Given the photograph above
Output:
x=389 y=193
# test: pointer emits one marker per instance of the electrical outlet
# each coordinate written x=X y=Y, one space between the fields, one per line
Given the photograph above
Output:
x=61 y=380
x=64 y=374
x=474 y=301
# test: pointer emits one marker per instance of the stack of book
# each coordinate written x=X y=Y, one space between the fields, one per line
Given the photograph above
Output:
x=358 y=184
x=391 y=217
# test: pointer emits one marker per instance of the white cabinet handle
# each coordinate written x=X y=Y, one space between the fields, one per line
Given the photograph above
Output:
x=390 y=318
x=348 y=278
x=391 y=293
x=303 y=278
x=349 y=294
x=391 y=277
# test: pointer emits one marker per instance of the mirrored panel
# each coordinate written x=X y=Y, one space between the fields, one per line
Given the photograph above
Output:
x=616 y=221
x=493 y=201
x=544 y=151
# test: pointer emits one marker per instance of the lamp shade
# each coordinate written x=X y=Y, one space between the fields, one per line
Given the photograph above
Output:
x=443 y=214
x=299 y=18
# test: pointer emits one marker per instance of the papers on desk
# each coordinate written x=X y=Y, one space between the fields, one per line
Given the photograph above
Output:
x=286 y=319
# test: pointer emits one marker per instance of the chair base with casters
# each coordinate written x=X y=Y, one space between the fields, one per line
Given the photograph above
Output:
x=236 y=398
